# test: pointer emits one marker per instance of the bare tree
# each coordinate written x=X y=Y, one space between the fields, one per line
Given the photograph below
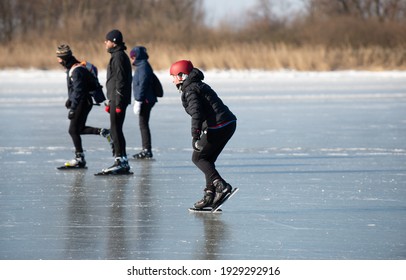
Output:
x=87 y=18
x=383 y=10
x=6 y=20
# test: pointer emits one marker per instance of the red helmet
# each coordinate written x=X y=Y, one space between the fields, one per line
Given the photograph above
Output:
x=181 y=67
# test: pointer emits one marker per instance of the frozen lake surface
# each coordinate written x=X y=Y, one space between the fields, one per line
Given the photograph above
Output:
x=320 y=160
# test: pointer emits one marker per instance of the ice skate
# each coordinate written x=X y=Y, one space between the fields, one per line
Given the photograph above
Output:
x=77 y=162
x=144 y=154
x=126 y=164
x=222 y=191
x=120 y=167
x=216 y=208
x=206 y=205
x=106 y=134
x=206 y=201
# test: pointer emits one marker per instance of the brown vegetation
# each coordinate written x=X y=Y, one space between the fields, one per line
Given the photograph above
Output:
x=329 y=35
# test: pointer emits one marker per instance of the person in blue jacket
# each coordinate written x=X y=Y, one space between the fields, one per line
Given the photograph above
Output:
x=144 y=97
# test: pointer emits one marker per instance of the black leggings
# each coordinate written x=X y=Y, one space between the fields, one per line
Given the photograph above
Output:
x=78 y=126
x=213 y=142
x=116 y=130
x=144 y=125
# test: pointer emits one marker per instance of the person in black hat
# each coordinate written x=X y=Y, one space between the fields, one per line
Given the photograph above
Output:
x=79 y=103
x=118 y=84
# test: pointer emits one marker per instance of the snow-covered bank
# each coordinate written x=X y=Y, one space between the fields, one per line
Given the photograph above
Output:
x=33 y=86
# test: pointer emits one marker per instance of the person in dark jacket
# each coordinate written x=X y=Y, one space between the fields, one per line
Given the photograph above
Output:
x=212 y=126
x=79 y=103
x=144 y=97
x=118 y=84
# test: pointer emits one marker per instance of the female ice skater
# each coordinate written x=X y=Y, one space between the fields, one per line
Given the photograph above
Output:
x=212 y=126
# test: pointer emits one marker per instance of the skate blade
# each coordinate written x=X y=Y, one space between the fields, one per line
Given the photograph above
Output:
x=108 y=173
x=67 y=167
x=142 y=159
x=203 y=210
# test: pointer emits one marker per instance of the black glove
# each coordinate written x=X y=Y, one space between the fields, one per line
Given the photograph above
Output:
x=68 y=103
x=196 y=144
x=71 y=114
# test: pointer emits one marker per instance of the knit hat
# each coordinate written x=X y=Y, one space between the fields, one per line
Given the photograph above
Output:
x=64 y=52
x=115 y=36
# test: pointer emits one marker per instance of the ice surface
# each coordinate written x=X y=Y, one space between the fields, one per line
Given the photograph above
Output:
x=320 y=160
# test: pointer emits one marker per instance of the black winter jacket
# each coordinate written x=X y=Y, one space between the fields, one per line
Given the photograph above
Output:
x=202 y=103
x=119 y=77
x=79 y=82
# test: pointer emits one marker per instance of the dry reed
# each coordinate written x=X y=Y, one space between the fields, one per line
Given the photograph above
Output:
x=227 y=56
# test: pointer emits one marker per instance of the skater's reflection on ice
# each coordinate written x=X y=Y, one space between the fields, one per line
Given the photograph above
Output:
x=216 y=233
x=80 y=236
x=116 y=242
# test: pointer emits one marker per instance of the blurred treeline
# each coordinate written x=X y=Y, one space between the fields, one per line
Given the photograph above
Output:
x=324 y=35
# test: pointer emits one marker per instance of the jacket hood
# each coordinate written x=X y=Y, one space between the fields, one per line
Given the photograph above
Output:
x=140 y=53
x=194 y=76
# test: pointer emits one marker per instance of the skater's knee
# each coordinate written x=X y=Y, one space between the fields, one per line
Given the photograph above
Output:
x=73 y=131
x=196 y=158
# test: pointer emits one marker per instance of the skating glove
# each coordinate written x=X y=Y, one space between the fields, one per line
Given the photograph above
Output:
x=196 y=144
x=71 y=114
x=68 y=103
x=118 y=110
x=137 y=107
x=196 y=133
x=107 y=106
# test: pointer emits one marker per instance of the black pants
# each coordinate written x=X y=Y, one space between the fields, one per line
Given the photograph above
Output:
x=116 y=130
x=213 y=142
x=78 y=126
x=144 y=125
